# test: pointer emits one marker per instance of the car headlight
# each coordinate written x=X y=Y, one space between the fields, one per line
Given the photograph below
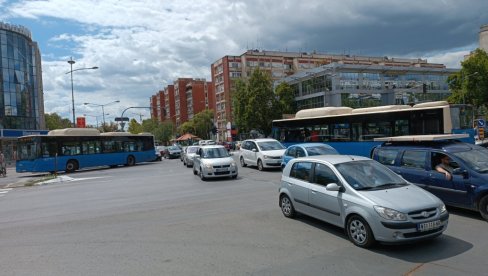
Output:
x=233 y=164
x=443 y=209
x=389 y=214
x=208 y=166
x=266 y=157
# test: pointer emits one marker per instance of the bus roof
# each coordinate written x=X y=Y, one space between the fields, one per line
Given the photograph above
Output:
x=74 y=132
x=342 y=111
x=420 y=138
x=124 y=134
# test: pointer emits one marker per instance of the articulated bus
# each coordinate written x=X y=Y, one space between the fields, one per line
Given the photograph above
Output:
x=352 y=131
x=77 y=148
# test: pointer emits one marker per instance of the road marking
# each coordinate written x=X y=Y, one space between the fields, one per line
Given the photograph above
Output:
x=4 y=191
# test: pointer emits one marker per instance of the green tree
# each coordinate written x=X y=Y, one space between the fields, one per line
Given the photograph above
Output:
x=187 y=127
x=470 y=84
x=109 y=127
x=54 y=121
x=286 y=98
x=203 y=123
x=135 y=127
x=255 y=104
x=163 y=132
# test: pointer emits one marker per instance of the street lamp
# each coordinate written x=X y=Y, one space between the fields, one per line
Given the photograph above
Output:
x=71 y=62
x=102 y=105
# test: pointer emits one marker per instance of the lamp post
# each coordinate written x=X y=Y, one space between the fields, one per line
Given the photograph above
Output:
x=102 y=105
x=95 y=116
x=71 y=62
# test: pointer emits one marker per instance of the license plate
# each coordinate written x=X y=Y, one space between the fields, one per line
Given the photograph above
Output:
x=221 y=170
x=426 y=226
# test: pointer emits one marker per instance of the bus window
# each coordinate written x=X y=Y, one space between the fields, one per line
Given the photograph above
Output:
x=70 y=148
x=401 y=128
x=91 y=147
x=49 y=149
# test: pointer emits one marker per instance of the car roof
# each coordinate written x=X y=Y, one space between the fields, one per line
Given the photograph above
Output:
x=333 y=158
x=447 y=145
x=309 y=145
x=211 y=146
x=262 y=140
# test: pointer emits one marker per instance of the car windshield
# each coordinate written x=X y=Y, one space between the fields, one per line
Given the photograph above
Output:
x=477 y=159
x=192 y=150
x=369 y=175
x=215 y=153
x=173 y=148
x=270 y=145
x=320 y=150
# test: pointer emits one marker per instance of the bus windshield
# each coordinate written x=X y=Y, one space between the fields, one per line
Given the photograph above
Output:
x=28 y=149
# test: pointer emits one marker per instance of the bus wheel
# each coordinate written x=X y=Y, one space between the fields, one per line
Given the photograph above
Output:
x=71 y=166
x=131 y=161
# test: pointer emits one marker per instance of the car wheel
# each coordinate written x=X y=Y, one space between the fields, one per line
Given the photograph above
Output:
x=194 y=171
x=234 y=176
x=483 y=207
x=202 y=177
x=71 y=166
x=184 y=163
x=188 y=165
x=260 y=165
x=287 y=207
x=359 y=232
x=243 y=164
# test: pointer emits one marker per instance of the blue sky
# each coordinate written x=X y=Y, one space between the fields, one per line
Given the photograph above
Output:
x=142 y=46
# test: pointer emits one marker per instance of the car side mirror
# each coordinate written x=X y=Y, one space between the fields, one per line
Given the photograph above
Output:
x=333 y=187
x=254 y=150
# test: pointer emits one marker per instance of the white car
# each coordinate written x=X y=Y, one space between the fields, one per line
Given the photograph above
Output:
x=214 y=161
x=263 y=153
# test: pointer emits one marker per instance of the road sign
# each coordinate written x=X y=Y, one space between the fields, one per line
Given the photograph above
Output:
x=80 y=122
x=481 y=123
x=121 y=119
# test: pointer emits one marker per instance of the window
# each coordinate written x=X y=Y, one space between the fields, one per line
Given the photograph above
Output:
x=301 y=170
x=414 y=159
x=291 y=152
x=300 y=152
x=387 y=156
x=324 y=175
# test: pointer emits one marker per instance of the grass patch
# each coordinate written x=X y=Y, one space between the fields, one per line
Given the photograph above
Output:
x=45 y=178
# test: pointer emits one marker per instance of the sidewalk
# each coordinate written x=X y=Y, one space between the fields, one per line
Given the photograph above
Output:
x=15 y=180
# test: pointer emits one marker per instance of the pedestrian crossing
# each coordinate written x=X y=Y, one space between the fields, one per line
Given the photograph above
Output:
x=4 y=191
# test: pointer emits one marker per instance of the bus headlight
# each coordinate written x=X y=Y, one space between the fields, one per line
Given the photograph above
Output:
x=389 y=214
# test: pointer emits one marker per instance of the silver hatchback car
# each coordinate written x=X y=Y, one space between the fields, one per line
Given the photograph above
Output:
x=366 y=198
x=214 y=161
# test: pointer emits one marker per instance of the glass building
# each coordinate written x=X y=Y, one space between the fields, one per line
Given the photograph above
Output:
x=21 y=94
x=368 y=85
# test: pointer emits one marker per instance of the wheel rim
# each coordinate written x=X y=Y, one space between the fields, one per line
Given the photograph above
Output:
x=242 y=161
x=357 y=230
x=70 y=166
x=286 y=205
x=260 y=165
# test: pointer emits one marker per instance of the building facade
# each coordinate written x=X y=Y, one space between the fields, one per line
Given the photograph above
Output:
x=371 y=85
x=183 y=99
x=21 y=92
x=227 y=69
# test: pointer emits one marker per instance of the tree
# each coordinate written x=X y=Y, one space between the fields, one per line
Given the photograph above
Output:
x=470 y=84
x=163 y=132
x=286 y=98
x=187 y=127
x=135 y=127
x=54 y=121
x=255 y=104
x=203 y=123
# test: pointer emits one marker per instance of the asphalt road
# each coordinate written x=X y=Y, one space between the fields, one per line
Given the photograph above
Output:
x=160 y=219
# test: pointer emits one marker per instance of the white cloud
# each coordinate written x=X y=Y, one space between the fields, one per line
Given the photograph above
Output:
x=142 y=46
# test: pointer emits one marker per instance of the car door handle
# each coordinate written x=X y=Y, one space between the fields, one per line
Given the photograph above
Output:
x=314 y=191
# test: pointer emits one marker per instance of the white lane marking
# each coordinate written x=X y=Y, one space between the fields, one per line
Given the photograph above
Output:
x=4 y=191
x=64 y=178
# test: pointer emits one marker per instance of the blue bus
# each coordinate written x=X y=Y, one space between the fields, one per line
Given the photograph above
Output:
x=77 y=148
x=352 y=131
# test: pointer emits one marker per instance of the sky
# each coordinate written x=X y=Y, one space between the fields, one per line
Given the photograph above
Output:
x=141 y=46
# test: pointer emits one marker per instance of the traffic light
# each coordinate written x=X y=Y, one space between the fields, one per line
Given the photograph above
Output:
x=424 y=88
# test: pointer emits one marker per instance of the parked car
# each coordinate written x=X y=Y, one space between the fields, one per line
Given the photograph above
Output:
x=172 y=152
x=189 y=154
x=214 y=161
x=261 y=152
x=183 y=152
x=158 y=155
x=367 y=199
x=305 y=150
x=161 y=150
x=417 y=161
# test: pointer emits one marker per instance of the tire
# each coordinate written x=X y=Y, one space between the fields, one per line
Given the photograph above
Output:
x=184 y=163
x=483 y=207
x=71 y=166
x=202 y=177
x=194 y=171
x=131 y=161
x=234 y=176
x=287 y=207
x=260 y=165
x=359 y=232
x=243 y=164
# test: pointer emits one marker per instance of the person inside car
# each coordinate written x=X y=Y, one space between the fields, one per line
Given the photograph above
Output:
x=445 y=167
